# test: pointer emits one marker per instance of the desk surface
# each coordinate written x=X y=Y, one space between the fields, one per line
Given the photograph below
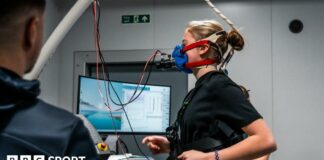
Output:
x=128 y=157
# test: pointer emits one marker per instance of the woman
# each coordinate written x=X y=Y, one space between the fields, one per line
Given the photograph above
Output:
x=216 y=111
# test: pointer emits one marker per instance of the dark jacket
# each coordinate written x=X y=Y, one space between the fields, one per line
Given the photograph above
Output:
x=29 y=126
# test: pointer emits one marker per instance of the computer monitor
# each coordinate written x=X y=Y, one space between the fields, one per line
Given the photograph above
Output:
x=149 y=113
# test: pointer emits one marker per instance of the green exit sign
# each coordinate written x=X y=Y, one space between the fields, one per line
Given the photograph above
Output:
x=144 y=18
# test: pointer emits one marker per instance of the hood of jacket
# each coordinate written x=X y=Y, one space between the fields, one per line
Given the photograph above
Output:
x=14 y=89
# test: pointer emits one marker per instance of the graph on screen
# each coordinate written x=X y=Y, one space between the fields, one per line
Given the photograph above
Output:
x=149 y=113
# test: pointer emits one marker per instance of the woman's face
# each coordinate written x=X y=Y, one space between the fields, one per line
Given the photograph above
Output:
x=195 y=53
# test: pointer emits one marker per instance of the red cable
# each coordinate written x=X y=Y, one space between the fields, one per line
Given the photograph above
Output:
x=142 y=77
x=97 y=68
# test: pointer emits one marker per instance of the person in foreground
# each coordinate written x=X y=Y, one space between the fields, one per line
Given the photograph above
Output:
x=215 y=114
x=29 y=126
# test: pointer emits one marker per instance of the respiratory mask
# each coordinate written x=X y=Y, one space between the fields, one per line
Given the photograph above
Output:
x=181 y=57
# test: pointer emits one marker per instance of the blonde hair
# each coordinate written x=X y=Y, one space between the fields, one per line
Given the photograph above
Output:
x=204 y=28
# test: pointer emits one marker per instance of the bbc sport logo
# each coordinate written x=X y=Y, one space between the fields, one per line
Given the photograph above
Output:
x=25 y=157
x=42 y=157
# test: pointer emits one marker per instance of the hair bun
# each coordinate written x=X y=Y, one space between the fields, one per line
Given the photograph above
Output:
x=235 y=39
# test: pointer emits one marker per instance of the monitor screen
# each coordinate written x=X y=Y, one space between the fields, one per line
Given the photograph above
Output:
x=149 y=113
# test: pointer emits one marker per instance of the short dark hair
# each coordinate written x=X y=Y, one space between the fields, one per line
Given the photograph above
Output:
x=11 y=11
x=11 y=8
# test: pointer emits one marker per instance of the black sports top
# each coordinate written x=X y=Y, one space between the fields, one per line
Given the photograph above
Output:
x=217 y=98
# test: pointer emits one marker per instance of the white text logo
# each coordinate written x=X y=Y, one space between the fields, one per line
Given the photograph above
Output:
x=42 y=157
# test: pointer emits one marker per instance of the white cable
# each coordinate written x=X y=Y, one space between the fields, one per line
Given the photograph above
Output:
x=229 y=22
x=57 y=36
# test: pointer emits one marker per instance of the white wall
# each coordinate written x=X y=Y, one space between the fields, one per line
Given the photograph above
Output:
x=298 y=78
x=283 y=70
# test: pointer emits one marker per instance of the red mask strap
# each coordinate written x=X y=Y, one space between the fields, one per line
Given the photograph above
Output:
x=200 y=63
x=194 y=45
